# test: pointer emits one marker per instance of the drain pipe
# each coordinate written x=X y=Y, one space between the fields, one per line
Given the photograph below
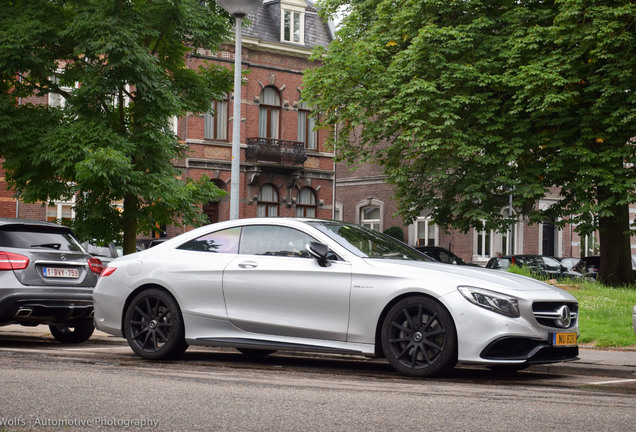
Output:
x=17 y=204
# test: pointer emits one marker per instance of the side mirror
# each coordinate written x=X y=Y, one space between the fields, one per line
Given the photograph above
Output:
x=319 y=252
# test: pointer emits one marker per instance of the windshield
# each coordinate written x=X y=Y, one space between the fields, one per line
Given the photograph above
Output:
x=367 y=243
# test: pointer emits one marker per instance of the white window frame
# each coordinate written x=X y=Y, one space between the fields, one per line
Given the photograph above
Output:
x=59 y=206
x=293 y=11
x=55 y=99
x=484 y=240
x=376 y=224
x=501 y=242
x=428 y=224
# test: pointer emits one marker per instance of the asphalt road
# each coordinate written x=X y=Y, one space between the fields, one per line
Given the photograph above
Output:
x=102 y=385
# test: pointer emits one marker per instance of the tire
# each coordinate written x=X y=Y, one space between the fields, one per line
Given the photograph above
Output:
x=418 y=337
x=74 y=332
x=255 y=352
x=154 y=326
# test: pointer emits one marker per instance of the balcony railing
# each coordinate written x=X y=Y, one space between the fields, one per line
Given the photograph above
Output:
x=283 y=152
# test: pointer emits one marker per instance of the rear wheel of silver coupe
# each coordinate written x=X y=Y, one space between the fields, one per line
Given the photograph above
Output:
x=75 y=332
x=418 y=337
x=154 y=325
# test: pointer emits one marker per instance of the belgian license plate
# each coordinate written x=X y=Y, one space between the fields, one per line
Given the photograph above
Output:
x=564 y=339
x=55 y=272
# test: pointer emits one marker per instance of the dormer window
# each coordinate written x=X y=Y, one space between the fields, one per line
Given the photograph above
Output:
x=292 y=21
x=292 y=26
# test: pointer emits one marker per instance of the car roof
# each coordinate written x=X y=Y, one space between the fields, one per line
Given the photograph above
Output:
x=30 y=222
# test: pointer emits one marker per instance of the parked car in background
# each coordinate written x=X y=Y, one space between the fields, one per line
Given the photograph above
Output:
x=537 y=264
x=143 y=244
x=46 y=277
x=268 y=284
x=568 y=262
x=588 y=267
x=442 y=255
x=105 y=253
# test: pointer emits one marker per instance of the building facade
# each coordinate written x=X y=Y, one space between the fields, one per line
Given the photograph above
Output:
x=285 y=169
x=363 y=197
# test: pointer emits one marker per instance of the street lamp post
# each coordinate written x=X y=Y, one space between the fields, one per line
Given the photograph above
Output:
x=239 y=9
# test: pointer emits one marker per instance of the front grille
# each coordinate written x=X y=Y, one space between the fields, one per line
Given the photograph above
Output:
x=529 y=350
x=560 y=315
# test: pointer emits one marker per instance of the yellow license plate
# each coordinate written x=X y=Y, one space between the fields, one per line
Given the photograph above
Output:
x=564 y=339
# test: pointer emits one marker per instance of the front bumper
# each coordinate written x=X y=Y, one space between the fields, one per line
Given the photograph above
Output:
x=527 y=351
x=487 y=338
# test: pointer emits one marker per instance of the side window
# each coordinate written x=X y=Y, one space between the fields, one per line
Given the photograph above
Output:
x=224 y=241
x=445 y=258
x=274 y=241
x=503 y=263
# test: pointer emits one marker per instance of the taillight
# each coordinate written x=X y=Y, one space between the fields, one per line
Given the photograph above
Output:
x=108 y=271
x=12 y=261
x=95 y=264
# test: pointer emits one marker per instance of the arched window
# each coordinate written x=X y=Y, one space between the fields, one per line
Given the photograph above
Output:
x=267 y=205
x=306 y=203
x=216 y=120
x=269 y=114
x=370 y=213
x=371 y=216
x=306 y=124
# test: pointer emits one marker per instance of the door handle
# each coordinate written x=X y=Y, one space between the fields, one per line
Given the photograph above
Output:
x=248 y=265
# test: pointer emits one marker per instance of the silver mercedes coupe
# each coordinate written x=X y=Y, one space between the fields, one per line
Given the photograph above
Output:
x=268 y=284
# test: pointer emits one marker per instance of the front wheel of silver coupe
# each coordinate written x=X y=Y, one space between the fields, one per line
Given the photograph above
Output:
x=154 y=326
x=418 y=337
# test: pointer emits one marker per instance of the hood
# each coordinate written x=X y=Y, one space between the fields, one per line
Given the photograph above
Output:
x=497 y=280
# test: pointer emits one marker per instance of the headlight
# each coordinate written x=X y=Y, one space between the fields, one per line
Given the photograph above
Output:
x=491 y=300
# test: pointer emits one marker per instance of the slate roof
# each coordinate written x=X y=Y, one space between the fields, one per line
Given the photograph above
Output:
x=265 y=25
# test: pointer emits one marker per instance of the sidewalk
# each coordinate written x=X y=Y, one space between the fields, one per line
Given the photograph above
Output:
x=614 y=363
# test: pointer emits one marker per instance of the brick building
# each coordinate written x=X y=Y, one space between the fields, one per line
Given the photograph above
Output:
x=285 y=169
x=363 y=197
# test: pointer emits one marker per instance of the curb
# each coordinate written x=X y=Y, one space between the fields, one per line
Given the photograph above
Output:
x=585 y=369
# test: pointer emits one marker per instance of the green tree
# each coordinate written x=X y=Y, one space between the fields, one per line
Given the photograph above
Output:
x=465 y=103
x=119 y=68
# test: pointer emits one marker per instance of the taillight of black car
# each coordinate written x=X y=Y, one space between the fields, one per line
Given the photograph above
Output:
x=12 y=261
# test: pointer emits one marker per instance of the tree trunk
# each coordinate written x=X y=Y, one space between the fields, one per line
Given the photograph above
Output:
x=130 y=223
x=616 y=262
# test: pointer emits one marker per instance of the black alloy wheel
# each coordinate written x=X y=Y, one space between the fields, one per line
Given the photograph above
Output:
x=418 y=337
x=154 y=325
x=74 y=332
